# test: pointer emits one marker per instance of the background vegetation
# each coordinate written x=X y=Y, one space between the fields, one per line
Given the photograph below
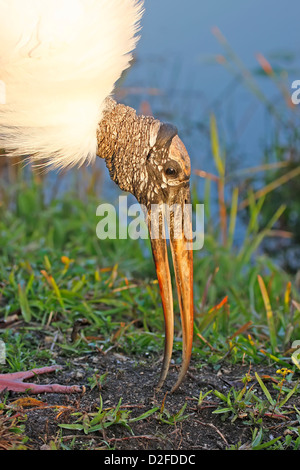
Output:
x=55 y=272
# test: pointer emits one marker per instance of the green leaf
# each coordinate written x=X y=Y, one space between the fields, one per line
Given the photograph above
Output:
x=220 y=395
x=291 y=392
x=24 y=305
x=216 y=147
x=144 y=415
x=266 y=444
x=222 y=410
x=76 y=427
x=258 y=437
x=264 y=389
x=269 y=313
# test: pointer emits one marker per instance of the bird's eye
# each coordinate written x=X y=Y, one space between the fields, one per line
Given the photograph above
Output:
x=172 y=169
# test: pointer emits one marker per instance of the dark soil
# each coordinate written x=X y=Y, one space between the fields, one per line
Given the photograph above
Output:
x=134 y=381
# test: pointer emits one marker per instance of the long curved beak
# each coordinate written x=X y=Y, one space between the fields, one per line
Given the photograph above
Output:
x=182 y=254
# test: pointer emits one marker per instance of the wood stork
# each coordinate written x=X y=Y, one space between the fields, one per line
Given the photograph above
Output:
x=59 y=62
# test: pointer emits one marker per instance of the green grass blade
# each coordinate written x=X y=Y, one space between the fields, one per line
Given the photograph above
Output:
x=269 y=312
x=233 y=216
x=24 y=305
x=265 y=390
x=216 y=147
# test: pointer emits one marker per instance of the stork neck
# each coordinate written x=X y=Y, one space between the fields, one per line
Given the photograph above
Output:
x=124 y=143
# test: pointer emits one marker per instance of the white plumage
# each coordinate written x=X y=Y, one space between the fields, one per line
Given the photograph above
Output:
x=59 y=60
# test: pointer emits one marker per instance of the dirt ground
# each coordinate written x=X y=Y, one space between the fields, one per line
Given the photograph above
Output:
x=134 y=381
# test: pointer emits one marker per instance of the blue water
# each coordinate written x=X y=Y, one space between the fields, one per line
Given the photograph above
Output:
x=176 y=55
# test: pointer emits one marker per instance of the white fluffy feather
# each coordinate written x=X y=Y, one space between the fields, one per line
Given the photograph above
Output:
x=59 y=60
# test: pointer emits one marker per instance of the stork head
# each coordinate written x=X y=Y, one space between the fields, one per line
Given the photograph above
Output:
x=148 y=159
x=166 y=173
